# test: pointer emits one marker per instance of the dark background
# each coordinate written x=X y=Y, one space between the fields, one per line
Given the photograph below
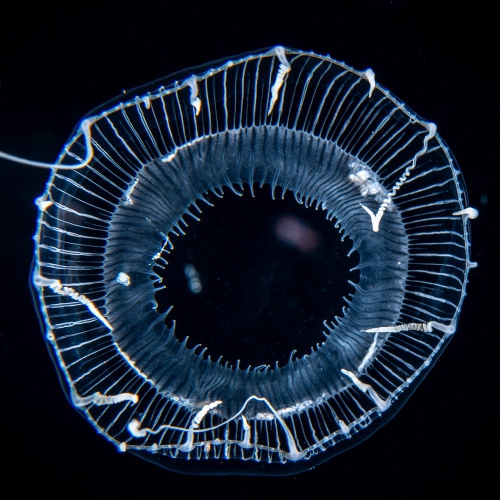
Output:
x=57 y=64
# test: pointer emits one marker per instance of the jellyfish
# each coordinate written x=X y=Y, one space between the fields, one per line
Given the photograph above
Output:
x=141 y=173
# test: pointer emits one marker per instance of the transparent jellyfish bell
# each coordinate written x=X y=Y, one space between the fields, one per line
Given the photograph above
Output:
x=139 y=168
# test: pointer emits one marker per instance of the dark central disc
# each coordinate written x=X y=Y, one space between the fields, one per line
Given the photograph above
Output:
x=255 y=278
